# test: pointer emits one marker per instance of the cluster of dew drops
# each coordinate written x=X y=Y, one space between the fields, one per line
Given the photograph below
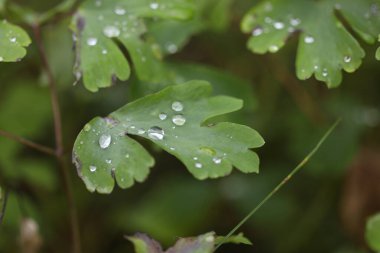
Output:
x=11 y=37
x=114 y=30
x=291 y=27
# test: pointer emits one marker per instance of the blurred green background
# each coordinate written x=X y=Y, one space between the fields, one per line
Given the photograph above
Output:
x=323 y=209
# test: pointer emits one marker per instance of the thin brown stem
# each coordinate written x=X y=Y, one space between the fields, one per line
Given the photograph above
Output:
x=28 y=143
x=59 y=142
x=4 y=205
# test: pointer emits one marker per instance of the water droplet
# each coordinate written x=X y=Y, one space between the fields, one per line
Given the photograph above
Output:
x=98 y=3
x=195 y=158
x=92 y=41
x=156 y=133
x=347 y=59
x=120 y=11
x=154 y=6
x=324 y=72
x=177 y=106
x=111 y=31
x=162 y=116
x=92 y=168
x=273 y=48
x=209 y=238
x=141 y=131
x=127 y=156
x=295 y=21
x=13 y=39
x=105 y=141
x=104 y=51
x=268 y=20
x=81 y=142
x=179 y=120
x=172 y=148
x=316 y=67
x=257 y=31
x=109 y=161
x=87 y=127
x=1 y=59
x=217 y=160
x=278 y=25
x=198 y=165
x=309 y=39
x=172 y=48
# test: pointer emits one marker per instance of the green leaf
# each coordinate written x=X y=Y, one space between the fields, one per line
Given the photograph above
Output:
x=326 y=46
x=174 y=120
x=13 y=41
x=373 y=232
x=98 y=25
x=236 y=239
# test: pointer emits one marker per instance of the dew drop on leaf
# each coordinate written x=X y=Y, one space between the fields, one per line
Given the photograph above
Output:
x=278 y=25
x=198 y=165
x=13 y=40
x=324 y=72
x=172 y=48
x=309 y=39
x=92 y=168
x=295 y=21
x=257 y=31
x=154 y=6
x=109 y=161
x=156 y=133
x=162 y=116
x=105 y=141
x=179 y=120
x=111 y=31
x=177 y=106
x=141 y=131
x=92 y=41
x=273 y=48
x=119 y=11
x=347 y=59
x=217 y=160
x=87 y=127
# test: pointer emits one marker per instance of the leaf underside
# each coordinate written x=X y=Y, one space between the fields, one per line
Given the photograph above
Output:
x=208 y=151
x=326 y=45
x=101 y=27
x=13 y=41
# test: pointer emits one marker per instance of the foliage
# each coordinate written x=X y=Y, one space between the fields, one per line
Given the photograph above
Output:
x=373 y=232
x=13 y=41
x=326 y=46
x=176 y=119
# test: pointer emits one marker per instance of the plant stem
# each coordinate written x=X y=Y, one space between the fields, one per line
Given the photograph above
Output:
x=33 y=145
x=59 y=142
x=4 y=205
x=281 y=184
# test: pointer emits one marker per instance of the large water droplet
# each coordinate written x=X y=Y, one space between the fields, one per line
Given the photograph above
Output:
x=111 y=31
x=198 y=165
x=120 y=11
x=154 y=6
x=179 y=120
x=156 y=133
x=105 y=141
x=92 y=168
x=162 y=116
x=92 y=41
x=257 y=31
x=347 y=59
x=177 y=106
x=309 y=39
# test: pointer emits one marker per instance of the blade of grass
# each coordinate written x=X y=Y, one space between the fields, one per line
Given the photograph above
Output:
x=282 y=183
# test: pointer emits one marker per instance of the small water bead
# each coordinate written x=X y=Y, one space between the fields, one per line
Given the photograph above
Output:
x=162 y=116
x=257 y=31
x=111 y=31
x=154 y=6
x=92 y=41
x=109 y=161
x=324 y=73
x=1 y=59
x=105 y=141
x=273 y=48
x=268 y=20
x=120 y=11
x=295 y=21
x=177 y=106
x=309 y=39
x=104 y=51
x=195 y=158
x=98 y=3
x=127 y=156
x=217 y=160
x=156 y=133
x=172 y=48
x=198 y=165
x=13 y=40
x=87 y=127
x=93 y=168
x=347 y=59
x=141 y=131
x=179 y=120
x=278 y=25
x=172 y=148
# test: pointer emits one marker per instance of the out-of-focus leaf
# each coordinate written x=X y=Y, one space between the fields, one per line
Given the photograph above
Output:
x=173 y=119
x=13 y=41
x=373 y=232
x=236 y=239
x=98 y=23
x=2 y=4
x=326 y=46
x=144 y=244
